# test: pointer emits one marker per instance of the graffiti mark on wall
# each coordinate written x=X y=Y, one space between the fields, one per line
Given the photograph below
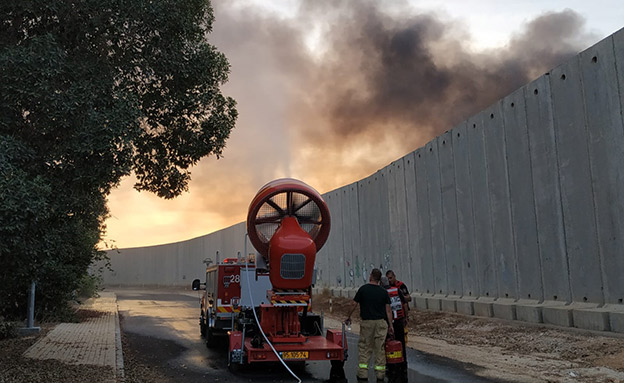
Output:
x=364 y=273
x=386 y=264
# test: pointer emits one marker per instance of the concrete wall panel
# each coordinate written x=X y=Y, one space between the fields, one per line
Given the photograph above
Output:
x=500 y=209
x=414 y=265
x=398 y=221
x=524 y=224
x=212 y=246
x=345 y=255
x=618 y=42
x=324 y=256
x=338 y=259
x=383 y=250
x=167 y=255
x=234 y=240
x=193 y=266
x=486 y=266
x=334 y=248
x=546 y=191
x=189 y=264
x=184 y=254
x=393 y=254
x=465 y=216
x=423 y=236
x=576 y=185
x=366 y=197
x=449 y=215
x=216 y=250
x=606 y=151
x=351 y=220
x=147 y=273
x=432 y=164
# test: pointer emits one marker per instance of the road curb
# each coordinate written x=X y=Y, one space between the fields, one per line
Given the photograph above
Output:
x=119 y=361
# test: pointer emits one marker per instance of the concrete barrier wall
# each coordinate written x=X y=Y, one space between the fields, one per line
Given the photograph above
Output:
x=175 y=264
x=523 y=201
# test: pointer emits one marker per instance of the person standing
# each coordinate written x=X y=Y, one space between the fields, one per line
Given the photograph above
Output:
x=398 y=307
x=376 y=315
x=394 y=282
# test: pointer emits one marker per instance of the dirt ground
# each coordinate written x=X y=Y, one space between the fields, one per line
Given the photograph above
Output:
x=506 y=350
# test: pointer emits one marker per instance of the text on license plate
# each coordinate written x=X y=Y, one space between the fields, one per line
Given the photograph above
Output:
x=295 y=355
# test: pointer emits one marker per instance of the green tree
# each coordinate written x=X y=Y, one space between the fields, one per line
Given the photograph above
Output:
x=91 y=91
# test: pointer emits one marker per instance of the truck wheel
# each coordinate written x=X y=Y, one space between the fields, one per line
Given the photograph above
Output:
x=235 y=368
x=336 y=373
x=210 y=338
x=202 y=325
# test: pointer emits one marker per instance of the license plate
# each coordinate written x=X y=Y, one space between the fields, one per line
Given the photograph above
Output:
x=295 y=355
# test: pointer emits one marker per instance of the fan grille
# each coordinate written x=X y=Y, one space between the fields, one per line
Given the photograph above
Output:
x=290 y=203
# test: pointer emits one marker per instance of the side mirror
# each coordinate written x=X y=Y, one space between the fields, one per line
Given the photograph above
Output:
x=196 y=285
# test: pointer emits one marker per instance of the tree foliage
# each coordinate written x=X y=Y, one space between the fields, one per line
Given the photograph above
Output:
x=91 y=91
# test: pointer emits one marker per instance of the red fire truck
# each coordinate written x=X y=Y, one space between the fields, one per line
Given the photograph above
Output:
x=223 y=299
x=263 y=307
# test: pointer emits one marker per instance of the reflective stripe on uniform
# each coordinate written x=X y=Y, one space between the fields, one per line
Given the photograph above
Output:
x=363 y=365
x=380 y=368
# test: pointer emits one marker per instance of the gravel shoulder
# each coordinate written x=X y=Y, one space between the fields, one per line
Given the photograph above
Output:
x=505 y=350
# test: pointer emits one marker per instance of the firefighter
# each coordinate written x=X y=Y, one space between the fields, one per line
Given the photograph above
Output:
x=376 y=315
x=398 y=305
x=403 y=289
x=399 y=285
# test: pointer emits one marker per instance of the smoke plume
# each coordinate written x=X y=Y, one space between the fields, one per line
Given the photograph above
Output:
x=341 y=89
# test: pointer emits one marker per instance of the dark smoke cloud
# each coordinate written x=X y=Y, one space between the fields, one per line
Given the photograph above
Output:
x=384 y=73
x=380 y=84
x=392 y=83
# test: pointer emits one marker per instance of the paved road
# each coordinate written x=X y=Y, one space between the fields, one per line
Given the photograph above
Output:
x=162 y=327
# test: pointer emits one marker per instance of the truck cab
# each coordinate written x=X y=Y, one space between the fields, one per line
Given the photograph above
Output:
x=230 y=285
